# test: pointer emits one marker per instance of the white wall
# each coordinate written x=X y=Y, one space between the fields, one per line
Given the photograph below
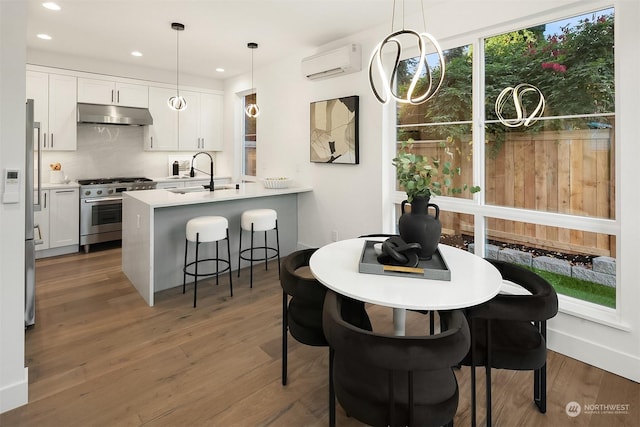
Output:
x=13 y=374
x=346 y=198
x=352 y=200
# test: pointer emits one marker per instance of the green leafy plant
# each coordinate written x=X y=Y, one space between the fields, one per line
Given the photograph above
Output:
x=420 y=176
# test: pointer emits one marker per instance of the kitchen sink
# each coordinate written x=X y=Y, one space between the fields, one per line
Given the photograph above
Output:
x=198 y=188
x=185 y=190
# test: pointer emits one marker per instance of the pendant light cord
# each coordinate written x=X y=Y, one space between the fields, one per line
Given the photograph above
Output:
x=252 y=87
x=393 y=15
x=178 y=63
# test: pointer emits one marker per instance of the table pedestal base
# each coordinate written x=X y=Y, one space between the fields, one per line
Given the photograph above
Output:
x=399 y=320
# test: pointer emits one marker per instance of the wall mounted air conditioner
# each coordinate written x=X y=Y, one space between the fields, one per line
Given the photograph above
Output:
x=344 y=60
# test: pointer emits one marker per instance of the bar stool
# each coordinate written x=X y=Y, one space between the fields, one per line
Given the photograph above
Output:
x=206 y=229
x=259 y=220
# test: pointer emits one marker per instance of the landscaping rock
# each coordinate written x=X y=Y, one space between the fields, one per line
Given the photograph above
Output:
x=515 y=257
x=604 y=264
x=593 y=276
x=492 y=250
x=553 y=265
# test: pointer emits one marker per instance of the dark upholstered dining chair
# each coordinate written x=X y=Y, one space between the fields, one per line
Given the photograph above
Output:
x=302 y=302
x=387 y=380
x=509 y=332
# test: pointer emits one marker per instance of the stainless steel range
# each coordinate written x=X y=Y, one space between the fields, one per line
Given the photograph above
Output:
x=101 y=207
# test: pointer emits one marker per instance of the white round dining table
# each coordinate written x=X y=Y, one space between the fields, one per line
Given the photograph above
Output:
x=473 y=280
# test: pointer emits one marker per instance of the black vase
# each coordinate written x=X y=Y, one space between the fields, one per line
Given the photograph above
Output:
x=418 y=226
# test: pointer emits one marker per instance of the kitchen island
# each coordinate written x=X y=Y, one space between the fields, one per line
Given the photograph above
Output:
x=154 y=221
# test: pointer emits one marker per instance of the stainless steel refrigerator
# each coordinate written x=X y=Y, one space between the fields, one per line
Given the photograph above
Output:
x=33 y=196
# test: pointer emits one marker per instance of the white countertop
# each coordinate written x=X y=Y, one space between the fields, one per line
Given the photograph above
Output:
x=167 y=198
x=52 y=186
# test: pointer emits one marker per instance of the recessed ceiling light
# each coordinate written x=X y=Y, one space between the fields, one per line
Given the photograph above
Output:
x=136 y=53
x=51 y=5
x=44 y=36
x=220 y=70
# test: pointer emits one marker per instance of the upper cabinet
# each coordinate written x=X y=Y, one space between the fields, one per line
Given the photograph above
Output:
x=211 y=121
x=54 y=98
x=163 y=134
x=107 y=92
x=197 y=128
x=188 y=123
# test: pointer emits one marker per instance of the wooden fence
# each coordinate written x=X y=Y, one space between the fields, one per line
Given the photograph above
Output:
x=569 y=172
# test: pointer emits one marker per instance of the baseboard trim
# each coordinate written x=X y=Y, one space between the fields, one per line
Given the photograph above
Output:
x=619 y=363
x=16 y=394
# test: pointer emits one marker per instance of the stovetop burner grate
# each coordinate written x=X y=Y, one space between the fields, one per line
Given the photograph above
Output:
x=99 y=181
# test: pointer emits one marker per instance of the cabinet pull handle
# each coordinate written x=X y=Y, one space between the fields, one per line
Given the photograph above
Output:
x=51 y=140
x=202 y=142
x=44 y=142
x=64 y=191
x=45 y=200
x=118 y=99
x=112 y=95
x=151 y=142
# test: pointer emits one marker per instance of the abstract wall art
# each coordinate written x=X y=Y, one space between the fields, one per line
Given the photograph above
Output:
x=334 y=131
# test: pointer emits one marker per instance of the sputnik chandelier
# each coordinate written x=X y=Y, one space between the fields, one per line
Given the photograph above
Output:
x=517 y=94
x=388 y=82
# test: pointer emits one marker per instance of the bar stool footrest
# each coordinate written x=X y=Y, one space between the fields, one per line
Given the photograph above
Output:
x=226 y=264
x=270 y=255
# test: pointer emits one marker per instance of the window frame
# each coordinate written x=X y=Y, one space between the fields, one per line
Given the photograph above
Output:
x=242 y=140
x=477 y=206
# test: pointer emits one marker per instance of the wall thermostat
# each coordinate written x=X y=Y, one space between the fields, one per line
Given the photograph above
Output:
x=11 y=192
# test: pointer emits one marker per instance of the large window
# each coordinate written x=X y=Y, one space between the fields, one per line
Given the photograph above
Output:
x=441 y=127
x=539 y=175
x=564 y=161
x=248 y=138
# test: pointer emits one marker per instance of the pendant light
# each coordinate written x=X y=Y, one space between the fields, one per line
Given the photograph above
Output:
x=177 y=102
x=252 y=110
x=389 y=82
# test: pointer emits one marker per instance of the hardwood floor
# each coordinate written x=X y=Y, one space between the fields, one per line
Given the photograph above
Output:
x=99 y=356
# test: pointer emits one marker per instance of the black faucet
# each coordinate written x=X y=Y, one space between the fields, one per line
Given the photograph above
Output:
x=192 y=173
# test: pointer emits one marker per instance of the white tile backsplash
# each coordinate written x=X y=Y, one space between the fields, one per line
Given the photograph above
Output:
x=112 y=150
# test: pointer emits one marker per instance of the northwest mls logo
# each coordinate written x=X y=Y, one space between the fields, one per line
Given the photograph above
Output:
x=573 y=409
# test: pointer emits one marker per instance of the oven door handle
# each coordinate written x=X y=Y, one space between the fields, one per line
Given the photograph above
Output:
x=105 y=200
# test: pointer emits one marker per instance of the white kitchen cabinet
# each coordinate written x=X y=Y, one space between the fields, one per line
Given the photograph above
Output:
x=201 y=123
x=198 y=128
x=41 y=222
x=188 y=123
x=211 y=121
x=163 y=134
x=108 y=92
x=55 y=97
x=58 y=221
x=64 y=217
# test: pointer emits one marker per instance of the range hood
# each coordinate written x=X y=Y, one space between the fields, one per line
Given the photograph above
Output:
x=113 y=115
